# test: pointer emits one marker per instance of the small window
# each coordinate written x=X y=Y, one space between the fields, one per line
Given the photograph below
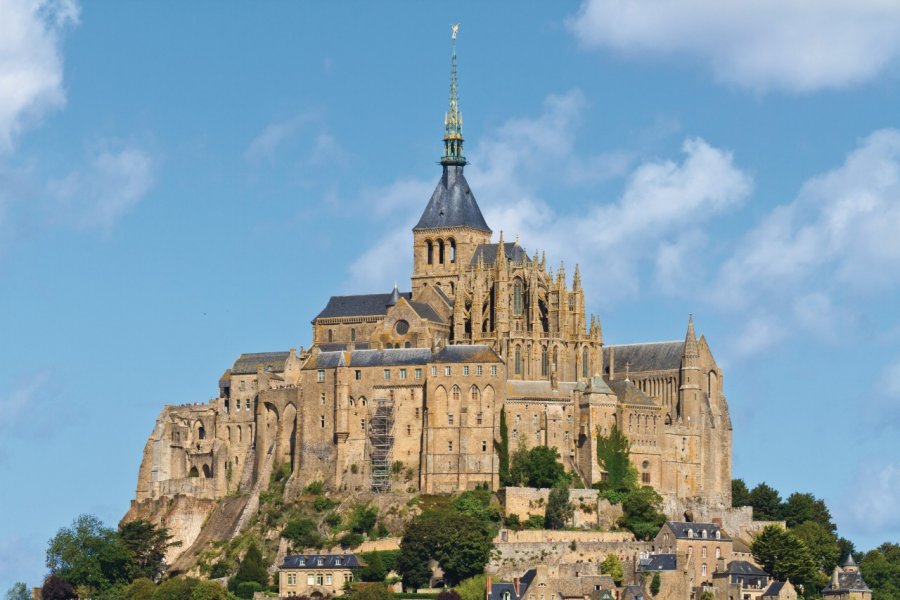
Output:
x=387 y=374
x=515 y=433
x=248 y=403
x=448 y=371
x=320 y=561
x=645 y=477
x=322 y=421
x=310 y=580
x=450 y=446
x=478 y=419
x=466 y=371
x=362 y=424
x=402 y=373
x=484 y=446
x=320 y=375
x=449 y=419
x=567 y=436
x=328 y=579
x=408 y=430
x=338 y=561
x=494 y=370
x=352 y=334
x=479 y=370
x=418 y=374
x=322 y=398
x=434 y=371
x=357 y=374
x=417 y=412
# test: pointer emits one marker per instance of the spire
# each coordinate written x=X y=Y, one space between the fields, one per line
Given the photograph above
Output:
x=453 y=139
x=395 y=296
x=690 y=343
x=576 y=284
x=850 y=562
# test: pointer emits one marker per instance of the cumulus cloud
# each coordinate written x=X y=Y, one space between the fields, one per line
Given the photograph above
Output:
x=790 y=45
x=110 y=185
x=274 y=135
x=656 y=219
x=31 y=65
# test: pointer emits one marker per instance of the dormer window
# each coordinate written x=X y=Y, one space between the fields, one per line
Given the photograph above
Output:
x=690 y=533
x=703 y=534
x=320 y=561
x=302 y=562
x=718 y=535
x=506 y=595
x=338 y=561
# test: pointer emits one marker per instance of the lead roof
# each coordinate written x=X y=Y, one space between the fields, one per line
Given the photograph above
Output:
x=452 y=204
x=329 y=561
x=680 y=529
x=271 y=361
x=360 y=305
x=652 y=356
x=488 y=253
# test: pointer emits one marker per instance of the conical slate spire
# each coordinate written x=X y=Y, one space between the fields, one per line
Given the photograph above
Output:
x=453 y=139
x=395 y=296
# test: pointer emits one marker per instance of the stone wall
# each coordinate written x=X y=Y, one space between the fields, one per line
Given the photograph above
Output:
x=589 y=510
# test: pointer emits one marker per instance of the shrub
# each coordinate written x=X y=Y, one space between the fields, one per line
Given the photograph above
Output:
x=363 y=518
x=397 y=467
x=302 y=533
x=248 y=588
x=220 y=569
x=534 y=522
x=314 y=488
x=513 y=522
x=333 y=519
x=350 y=540
x=321 y=504
x=654 y=584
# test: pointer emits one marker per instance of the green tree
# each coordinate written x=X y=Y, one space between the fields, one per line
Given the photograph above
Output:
x=147 y=544
x=799 y=508
x=544 y=469
x=371 y=592
x=612 y=456
x=518 y=468
x=448 y=595
x=374 y=569
x=783 y=555
x=251 y=569
x=766 y=503
x=176 y=588
x=559 y=509
x=655 y=584
x=641 y=513
x=209 y=590
x=248 y=589
x=740 y=494
x=139 y=589
x=362 y=519
x=18 y=592
x=502 y=448
x=612 y=566
x=881 y=570
x=472 y=588
x=55 y=588
x=89 y=554
x=302 y=533
x=822 y=543
x=477 y=503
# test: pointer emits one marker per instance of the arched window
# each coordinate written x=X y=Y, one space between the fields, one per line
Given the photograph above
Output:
x=430 y=248
x=474 y=394
x=556 y=359
x=518 y=304
x=454 y=393
x=240 y=434
x=207 y=472
x=544 y=362
x=518 y=360
x=585 y=365
x=452 y=288
x=452 y=243
x=194 y=472
x=228 y=429
x=440 y=245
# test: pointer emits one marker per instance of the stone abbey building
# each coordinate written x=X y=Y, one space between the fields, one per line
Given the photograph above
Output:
x=406 y=388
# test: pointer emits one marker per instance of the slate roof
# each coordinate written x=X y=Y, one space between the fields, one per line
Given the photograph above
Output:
x=225 y=379
x=743 y=567
x=848 y=582
x=773 y=589
x=271 y=361
x=659 y=562
x=362 y=305
x=459 y=353
x=523 y=390
x=497 y=589
x=370 y=358
x=329 y=561
x=579 y=587
x=632 y=592
x=425 y=311
x=595 y=384
x=452 y=204
x=488 y=253
x=680 y=528
x=652 y=356
x=628 y=393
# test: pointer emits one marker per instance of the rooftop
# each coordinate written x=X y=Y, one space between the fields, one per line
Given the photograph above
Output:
x=452 y=204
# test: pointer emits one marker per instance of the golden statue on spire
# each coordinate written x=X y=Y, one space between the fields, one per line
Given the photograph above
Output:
x=454 y=29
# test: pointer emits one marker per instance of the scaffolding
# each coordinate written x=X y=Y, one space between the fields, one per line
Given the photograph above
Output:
x=381 y=445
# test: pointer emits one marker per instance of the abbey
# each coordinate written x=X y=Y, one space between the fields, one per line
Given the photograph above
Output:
x=404 y=390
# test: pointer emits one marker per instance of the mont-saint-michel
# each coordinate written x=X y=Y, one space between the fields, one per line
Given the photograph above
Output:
x=570 y=349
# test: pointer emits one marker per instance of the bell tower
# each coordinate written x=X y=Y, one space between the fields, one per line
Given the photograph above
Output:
x=452 y=226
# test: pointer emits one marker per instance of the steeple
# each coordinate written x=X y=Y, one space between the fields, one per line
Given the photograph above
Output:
x=453 y=139
x=690 y=341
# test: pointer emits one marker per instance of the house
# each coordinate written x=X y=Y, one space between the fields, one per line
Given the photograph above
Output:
x=740 y=580
x=705 y=543
x=780 y=590
x=847 y=583
x=316 y=574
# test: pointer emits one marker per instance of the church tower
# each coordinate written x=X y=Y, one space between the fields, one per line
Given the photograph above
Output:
x=452 y=226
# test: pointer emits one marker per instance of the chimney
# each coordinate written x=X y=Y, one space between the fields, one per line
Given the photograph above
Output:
x=612 y=363
x=487 y=591
x=516 y=586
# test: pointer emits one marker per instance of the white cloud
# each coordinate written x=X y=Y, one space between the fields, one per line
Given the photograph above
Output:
x=98 y=195
x=873 y=504
x=791 y=45
x=265 y=144
x=31 y=65
x=664 y=205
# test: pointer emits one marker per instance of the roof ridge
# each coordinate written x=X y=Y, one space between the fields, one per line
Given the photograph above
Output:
x=643 y=343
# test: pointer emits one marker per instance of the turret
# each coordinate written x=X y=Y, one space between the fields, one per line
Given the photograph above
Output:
x=690 y=378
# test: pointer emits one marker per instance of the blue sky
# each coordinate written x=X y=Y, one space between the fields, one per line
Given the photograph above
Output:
x=180 y=187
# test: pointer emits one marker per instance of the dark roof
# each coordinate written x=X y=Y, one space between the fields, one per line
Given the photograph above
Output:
x=652 y=356
x=774 y=588
x=497 y=589
x=628 y=393
x=271 y=361
x=488 y=253
x=847 y=582
x=633 y=592
x=742 y=567
x=362 y=305
x=659 y=562
x=225 y=379
x=370 y=358
x=440 y=292
x=465 y=353
x=680 y=528
x=452 y=204
x=329 y=561
x=424 y=310
x=850 y=561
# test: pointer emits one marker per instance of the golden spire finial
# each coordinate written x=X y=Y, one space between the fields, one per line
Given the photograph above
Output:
x=454 y=29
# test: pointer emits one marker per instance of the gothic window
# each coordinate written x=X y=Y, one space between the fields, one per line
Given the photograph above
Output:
x=201 y=433
x=430 y=248
x=207 y=472
x=518 y=305
x=474 y=394
x=452 y=244
x=544 y=362
x=518 y=360
x=440 y=245
x=454 y=393
x=585 y=366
